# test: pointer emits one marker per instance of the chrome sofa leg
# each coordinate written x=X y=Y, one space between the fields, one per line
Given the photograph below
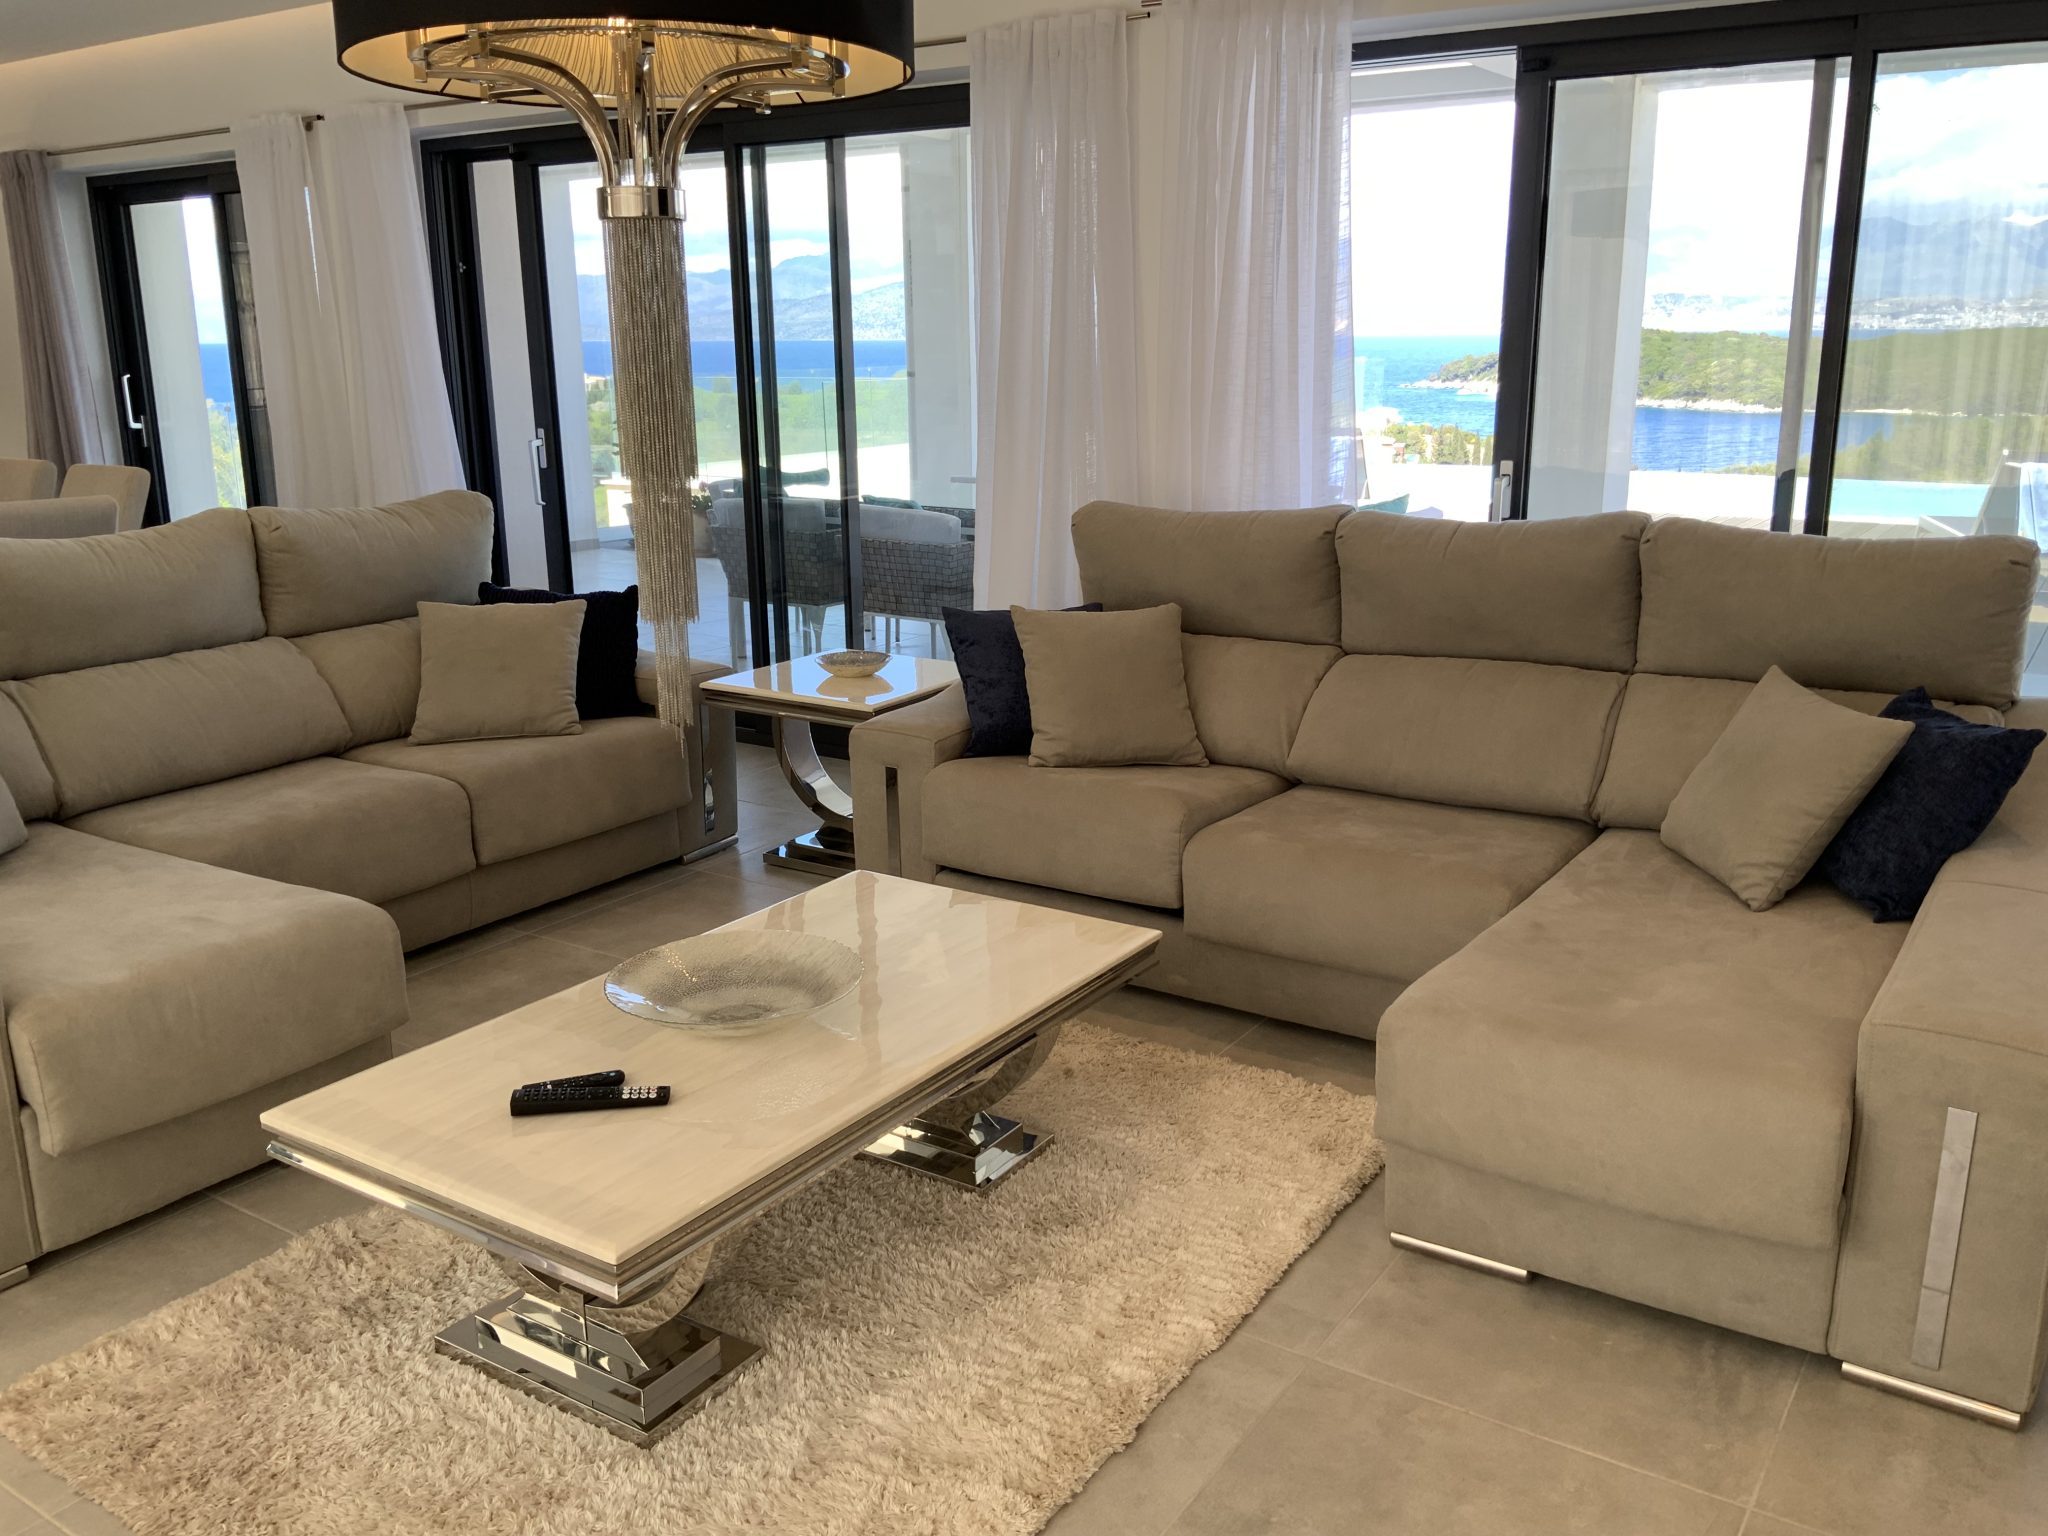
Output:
x=1934 y=1397
x=1458 y=1256
x=13 y=1277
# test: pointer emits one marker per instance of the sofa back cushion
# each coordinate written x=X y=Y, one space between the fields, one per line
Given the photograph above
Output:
x=1948 y=615
x=1249 y=695
x=72 y=603
x=22 y=765
x=374 y=672
x=138 y=728
x=1667 y=724
x=338 y=567
x=1565 y=592
x=1501 y=735
x=1266 y=575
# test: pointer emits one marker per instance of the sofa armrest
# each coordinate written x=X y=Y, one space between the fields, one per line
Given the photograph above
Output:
x=891 y=755
x=18 y=1242
x=1960 y=1023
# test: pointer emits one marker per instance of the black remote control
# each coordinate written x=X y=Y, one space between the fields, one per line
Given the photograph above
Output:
x=614 y=1078
x=538 y=1100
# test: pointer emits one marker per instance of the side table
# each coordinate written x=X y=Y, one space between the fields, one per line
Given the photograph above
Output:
x=799 y=693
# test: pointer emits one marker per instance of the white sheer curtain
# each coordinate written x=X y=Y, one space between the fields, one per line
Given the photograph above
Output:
x=1254 y=367
x=1056 y=341
x=344 y=311
x=402 y=433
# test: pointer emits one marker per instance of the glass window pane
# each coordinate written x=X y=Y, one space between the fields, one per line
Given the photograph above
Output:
x=1681 y=219
x=1944 y=427
x=191 y=373
x=1428 y=243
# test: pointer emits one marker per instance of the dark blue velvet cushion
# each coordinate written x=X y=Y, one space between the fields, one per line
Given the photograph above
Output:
x=1936 y=798
x=991 y=664
x=609 y=652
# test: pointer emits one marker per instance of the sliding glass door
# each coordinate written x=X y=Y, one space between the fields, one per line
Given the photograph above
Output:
x=830 y=326
x=174 y=269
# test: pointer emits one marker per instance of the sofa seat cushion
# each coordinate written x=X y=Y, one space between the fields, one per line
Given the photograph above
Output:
x=533 y=792
x=1367 y=882
x=1632 y=1034
x=354 y=828
x=1112 y=832
x=138 y=987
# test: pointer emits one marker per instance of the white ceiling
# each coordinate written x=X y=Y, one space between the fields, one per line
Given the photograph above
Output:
x=32 y=28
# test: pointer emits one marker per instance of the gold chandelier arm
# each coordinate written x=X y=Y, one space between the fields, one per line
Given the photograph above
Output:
x=549 y=80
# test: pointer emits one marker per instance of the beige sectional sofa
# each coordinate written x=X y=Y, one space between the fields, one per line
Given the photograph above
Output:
x=231 y=842
x=1440 y=753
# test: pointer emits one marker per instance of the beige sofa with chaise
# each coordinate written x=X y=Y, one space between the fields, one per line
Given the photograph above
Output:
x=1439 y=756
x=231 y=842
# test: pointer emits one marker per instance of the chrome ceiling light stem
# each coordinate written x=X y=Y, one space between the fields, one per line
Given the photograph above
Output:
x=639 y=86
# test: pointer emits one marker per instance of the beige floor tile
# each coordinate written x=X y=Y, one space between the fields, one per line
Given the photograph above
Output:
x=287 y=1198
x=555 y=913
x=1852 y=1459
x=1142 y=1488
x=56 y=1310
x=1316 y=1054
x=1326 y=1283
x=86 y=1518
x=16 y=1514
x=1168 y=1020
x=1338 y=1455
x=764 y=827
x=30 y=1482
x=483 y=985
x=761 y=779
x=1697 y=1404
x=698 y=902
x=461 y=947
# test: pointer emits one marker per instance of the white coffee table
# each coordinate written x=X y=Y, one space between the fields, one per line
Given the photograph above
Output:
x=609 y=1216
x=800 y=693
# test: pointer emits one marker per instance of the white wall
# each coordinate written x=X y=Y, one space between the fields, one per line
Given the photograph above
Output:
x=174 y=83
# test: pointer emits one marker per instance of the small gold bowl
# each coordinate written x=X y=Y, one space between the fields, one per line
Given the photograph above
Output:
x=854 y=663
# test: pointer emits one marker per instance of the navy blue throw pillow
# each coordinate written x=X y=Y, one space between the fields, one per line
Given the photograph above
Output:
x=1936 y=798
x=609 y=652
x=991 y=664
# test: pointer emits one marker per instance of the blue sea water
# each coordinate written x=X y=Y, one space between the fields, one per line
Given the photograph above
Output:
x=1389 y=369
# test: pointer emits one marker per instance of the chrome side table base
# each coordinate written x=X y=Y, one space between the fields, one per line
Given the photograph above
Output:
x=990 y=1148
x=635 y=1381
x=828 y=851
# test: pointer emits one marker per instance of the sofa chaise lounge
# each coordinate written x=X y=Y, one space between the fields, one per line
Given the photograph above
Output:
x=231 y=841
x=1439 y=756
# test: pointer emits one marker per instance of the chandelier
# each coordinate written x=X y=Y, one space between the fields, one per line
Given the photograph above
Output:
x=639 y=85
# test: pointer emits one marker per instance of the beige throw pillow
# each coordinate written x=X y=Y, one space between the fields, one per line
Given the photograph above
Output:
x=1778 y=784
x=1107 y=689
x=506 y=669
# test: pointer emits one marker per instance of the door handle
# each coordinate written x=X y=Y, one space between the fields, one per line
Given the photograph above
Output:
x=537 y=457
x=1503 y=491
x=135 y=421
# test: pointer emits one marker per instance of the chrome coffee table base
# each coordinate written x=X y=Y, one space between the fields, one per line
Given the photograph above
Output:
x=988 y=1149
x=636 y=1384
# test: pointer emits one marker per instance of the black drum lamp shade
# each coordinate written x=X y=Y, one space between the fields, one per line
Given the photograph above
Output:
x=692 y=42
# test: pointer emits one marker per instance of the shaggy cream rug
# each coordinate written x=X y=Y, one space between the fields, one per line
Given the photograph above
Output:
x=935 y=1362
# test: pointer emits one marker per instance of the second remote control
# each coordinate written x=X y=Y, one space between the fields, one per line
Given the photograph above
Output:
x=569 y=1101
x=614 y=1078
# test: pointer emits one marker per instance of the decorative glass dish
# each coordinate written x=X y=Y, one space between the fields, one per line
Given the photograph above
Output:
x=733 y=981
x=854 y=663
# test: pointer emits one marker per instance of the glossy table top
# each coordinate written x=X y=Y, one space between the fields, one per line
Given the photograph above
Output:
x=947 y=975
x=805 y=683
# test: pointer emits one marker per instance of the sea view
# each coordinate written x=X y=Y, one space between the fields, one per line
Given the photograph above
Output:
x=1389 y=371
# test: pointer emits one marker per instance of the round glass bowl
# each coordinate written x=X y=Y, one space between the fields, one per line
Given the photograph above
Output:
x=733 y=981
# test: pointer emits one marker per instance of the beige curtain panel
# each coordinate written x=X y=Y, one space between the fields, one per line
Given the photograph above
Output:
x=64 y=421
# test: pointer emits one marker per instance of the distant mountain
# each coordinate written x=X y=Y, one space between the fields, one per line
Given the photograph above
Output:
x=1952 y=251
x=803 y=305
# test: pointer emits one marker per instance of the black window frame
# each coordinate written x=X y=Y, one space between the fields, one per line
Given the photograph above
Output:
x=109 y=199
x=1707 y=37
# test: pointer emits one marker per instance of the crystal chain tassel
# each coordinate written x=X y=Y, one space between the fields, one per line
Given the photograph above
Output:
x=655 y=398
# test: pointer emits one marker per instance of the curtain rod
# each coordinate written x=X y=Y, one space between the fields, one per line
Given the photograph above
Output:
x=948 y=42
x=445 y=101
